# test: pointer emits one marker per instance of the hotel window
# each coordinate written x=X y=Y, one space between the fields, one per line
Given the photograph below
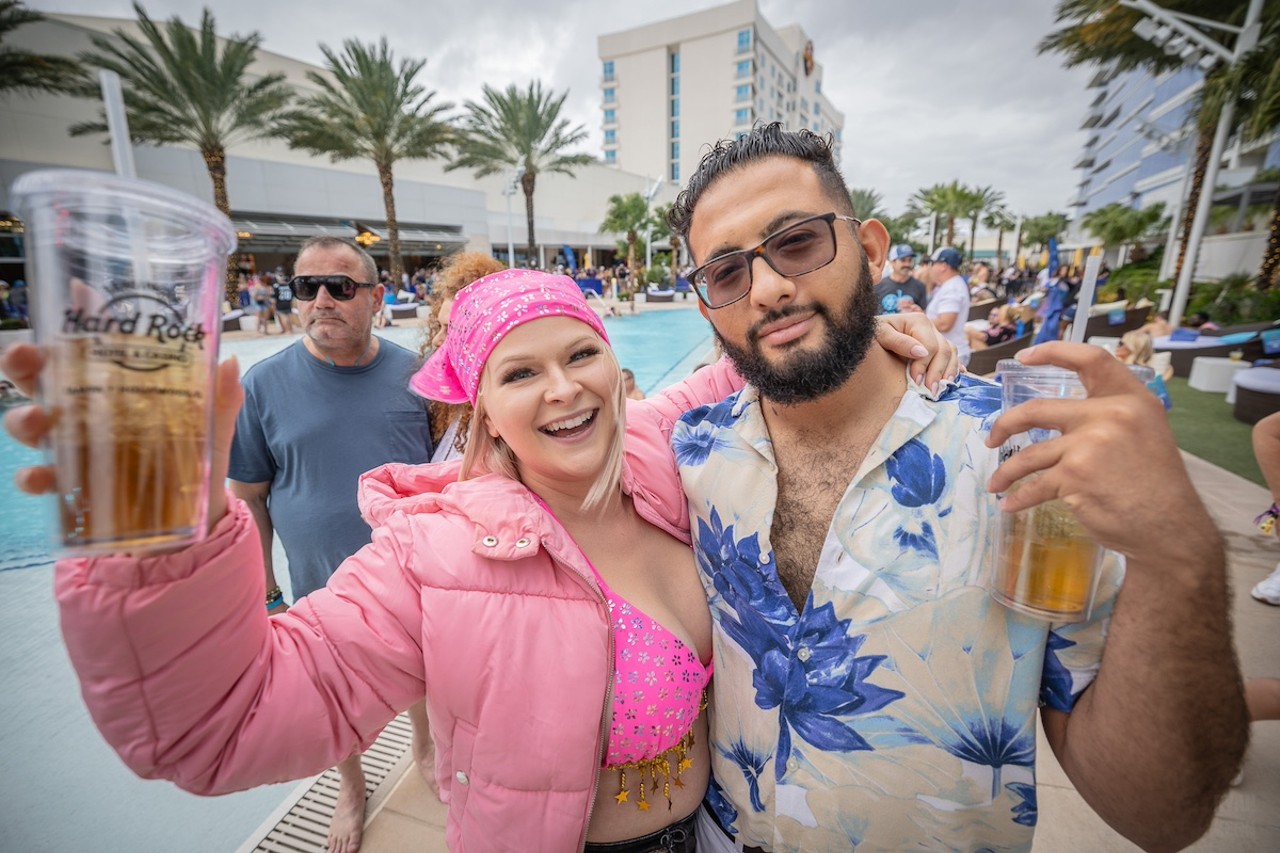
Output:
x=675 y=85
x=608 y=70
x=744 y=41
x=675 y=151
x=675 y=130
x=741 y=116
x=675 y=108
x=611 y=156
x=817 y=108
x=817 y=86
x=744 y=68
x=675 y=172
x=610 y=95
x=611 y=137
x=610 y=116
x=743 y=93
x=675 y=63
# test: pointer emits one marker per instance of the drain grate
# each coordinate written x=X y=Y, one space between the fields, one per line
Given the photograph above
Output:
x=301 y=823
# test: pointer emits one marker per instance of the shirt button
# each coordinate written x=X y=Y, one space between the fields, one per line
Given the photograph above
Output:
x=804 y=654
x=462 y=778
x=522 y=542
x=764 y=558
x=489 y=541
x=792 y=765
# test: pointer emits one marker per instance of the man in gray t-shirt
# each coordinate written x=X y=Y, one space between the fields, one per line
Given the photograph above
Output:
x=900 y=291
x=316 y=416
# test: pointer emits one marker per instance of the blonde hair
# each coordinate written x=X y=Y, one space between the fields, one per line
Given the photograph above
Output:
x=485 y=454
x=461 y=269
x=1138 y=344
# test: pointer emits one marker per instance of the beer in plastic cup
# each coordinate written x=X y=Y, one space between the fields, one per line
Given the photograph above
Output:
x=127 y=284
x=1047 y=565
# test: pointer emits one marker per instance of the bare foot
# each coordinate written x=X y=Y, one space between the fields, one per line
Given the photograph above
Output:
x=346 y=829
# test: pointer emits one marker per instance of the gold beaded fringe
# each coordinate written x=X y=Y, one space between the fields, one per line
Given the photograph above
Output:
x=667 y=765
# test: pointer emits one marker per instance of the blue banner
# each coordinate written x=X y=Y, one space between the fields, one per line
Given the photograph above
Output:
x=569 y=259
x=1053 y=256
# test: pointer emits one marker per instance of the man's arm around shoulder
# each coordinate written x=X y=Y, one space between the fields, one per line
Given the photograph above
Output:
x=255 y=497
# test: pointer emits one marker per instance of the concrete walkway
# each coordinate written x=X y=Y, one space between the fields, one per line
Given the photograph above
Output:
x=1249 y=818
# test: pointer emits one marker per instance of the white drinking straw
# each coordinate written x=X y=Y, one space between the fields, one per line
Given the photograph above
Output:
x=1085 y=298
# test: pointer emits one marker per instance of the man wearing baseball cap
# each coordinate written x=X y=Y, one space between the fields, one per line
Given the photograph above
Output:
x=900 y=291
x=948 y=306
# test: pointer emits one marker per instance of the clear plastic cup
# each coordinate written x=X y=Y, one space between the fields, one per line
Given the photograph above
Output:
x=1047 y=565
x=127 y=288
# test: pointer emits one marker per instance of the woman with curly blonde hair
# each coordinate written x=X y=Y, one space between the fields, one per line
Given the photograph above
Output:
x=450 y=424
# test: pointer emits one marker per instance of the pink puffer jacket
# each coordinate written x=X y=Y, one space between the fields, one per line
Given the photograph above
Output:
x=469 y=593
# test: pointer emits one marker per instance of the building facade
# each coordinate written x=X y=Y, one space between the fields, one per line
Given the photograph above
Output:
x=669 y=87
x=1139 y=152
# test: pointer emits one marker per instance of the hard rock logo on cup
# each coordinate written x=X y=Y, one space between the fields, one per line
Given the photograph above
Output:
x=128 y=289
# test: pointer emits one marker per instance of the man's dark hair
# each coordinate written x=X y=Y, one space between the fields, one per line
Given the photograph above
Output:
x=767 y=140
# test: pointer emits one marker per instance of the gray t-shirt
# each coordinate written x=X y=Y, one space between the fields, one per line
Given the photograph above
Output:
x=888 y=292
x=311 y=429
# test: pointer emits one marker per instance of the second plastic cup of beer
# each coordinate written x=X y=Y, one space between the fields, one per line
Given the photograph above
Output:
x=1047 y=565
x=127 y=279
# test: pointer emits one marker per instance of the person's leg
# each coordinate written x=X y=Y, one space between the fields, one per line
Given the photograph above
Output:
x=1262 y=695
x=1266 y=449
x=424 y=748
x=346 y=829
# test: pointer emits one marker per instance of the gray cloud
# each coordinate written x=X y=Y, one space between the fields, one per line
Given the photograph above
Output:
x=932 y=90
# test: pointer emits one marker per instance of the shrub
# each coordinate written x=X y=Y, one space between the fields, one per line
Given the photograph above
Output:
x=10 y=323
x=1233 y=300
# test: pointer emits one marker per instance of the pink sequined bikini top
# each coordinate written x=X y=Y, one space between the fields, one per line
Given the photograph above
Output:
x=658 y=685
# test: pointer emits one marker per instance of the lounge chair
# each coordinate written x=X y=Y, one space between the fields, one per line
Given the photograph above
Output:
x=983 y=361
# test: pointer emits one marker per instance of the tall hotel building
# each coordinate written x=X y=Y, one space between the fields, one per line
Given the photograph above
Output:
x=671 y=88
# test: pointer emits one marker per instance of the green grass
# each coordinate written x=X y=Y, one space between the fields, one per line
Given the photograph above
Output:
x=1204 y=426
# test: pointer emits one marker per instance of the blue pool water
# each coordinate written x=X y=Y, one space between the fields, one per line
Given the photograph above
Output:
x=62 y=788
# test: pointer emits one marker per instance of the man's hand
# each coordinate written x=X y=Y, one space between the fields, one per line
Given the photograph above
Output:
x=1116 y=464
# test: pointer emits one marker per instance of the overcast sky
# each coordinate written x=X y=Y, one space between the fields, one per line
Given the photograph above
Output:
x=932 y=90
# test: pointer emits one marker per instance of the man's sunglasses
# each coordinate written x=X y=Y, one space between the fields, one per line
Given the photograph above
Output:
x=341 y=287
x=798 y=249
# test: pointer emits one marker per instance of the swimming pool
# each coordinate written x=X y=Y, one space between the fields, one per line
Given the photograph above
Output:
x=62 y=787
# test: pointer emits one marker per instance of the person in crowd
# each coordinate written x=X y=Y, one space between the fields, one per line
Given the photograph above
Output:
x=980 y=287
x=1201 y=322
x=629 y=385
x=316 y=416
x=948 y=306
x=900 y=290
x=869 y=693
x=1266 y=449
x=496 y=585
x=1135 y=348
x=282 y=295
x=451 y=423
x=1159 y=327
x=261 y=294
x=1002 y=325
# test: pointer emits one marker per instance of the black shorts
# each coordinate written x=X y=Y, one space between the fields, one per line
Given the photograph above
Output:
x=284 y=307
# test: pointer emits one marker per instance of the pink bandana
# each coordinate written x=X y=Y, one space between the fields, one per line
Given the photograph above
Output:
x=483 y=313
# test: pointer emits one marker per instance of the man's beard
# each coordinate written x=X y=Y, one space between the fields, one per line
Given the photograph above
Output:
x=810 y=374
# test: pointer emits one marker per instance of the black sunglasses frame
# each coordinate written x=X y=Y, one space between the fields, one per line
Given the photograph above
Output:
x=341 y=287
x=759 y=251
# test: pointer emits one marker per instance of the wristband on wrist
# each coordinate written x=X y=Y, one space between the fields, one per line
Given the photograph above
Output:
x=274 y=597
x=1267 y=521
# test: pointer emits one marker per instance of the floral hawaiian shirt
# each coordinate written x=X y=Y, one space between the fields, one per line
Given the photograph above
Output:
x=898 y=711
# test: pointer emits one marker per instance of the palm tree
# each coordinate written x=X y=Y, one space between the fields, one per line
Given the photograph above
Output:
x=866 y=203
x=370 y=108
x=627 y=215
x=183 y=87
x=945 y=200
x=1102 y=32
x=999 y=220
x=1119 y=225
x=515 y=128
x=22 y=71
x=1253 y=83
x=978 y=200
x=660 y=230
x=1038 y=229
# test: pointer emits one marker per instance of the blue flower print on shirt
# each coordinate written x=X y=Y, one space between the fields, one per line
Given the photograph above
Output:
x=1025 y=812
x=1055 y=681
x=752 y=765
x=919 y=477
x=716 y=414
x=694 y=444
x=992 y=743
x=923 y=541
x=734 y=567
